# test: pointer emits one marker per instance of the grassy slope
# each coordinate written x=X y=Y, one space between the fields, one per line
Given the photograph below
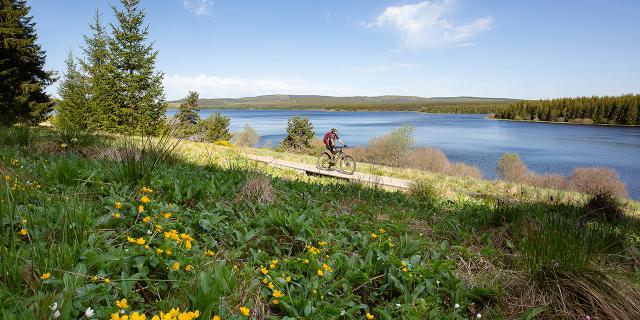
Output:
x=446 y=186
x=462 y=256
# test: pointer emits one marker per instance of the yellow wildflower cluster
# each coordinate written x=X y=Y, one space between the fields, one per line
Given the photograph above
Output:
x=173 y=235
x=146 y=190
x=132 y=316
x=313 y=250
x=45 y=276
x=145 y=199
x=139 y=241
x=245 y=311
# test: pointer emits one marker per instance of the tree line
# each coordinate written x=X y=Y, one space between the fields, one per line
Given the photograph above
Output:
x=622 y=110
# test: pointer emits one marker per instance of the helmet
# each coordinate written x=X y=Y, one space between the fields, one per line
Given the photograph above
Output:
x=334 y=129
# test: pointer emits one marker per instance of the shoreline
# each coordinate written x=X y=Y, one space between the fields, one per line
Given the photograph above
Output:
x=573 y=123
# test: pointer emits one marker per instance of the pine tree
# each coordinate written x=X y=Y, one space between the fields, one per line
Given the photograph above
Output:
x=22 y=74
x=72 y=110
x=187 y=115
x=101 y=111
x=134 y=85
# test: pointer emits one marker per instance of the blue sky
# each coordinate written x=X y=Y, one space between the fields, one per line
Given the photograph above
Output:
x=491 y=48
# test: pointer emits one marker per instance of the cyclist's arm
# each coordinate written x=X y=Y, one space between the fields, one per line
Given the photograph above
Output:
x=341 y=141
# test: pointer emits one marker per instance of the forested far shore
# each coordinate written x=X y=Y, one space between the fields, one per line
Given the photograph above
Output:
x=617 y=110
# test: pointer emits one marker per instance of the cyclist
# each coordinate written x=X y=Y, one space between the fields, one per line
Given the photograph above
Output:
x=330 y=141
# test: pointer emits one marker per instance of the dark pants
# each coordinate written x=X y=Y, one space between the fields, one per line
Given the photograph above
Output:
x=329 y=147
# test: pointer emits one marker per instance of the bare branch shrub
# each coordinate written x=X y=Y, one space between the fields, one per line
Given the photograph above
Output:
x=429 y=159
x=597 y=180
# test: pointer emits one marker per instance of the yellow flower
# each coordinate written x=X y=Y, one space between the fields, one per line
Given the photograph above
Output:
x=270 y=285
x=275 y=301
x=272 y=266
x=24 y=221
x=116 y=316
x=23 y=232
x=288 y=279
x=45 y=276
x=94 y=278
x=274 y=261
x=188 y=267
x=159 y=251
x=245 y=311
x=306 y=261
x=326 y=267
x=7 y=178
x=167 y=215
x=373 y=235
x=137 y=316
x=209 y=253
x=140 y=241
x=118 y=205
x=381 y=230
x=107 y=280
x=265 y=280
x=130 y=239
x=146 y=190
x=168 y=252
x=320 y=272
x=216 y=317
x=140 y=208
x=116 y=215
x=264 y=270
x=146 y=246
x=145 y=199
x=404 y=263
x=322 y=243
x=187 y=244
x=370 y=316
x=146 y=219
x=313 y=250
x=155 y=318
x=277 y=294
x=404 y=269
x=175 y=266
x=158 y=228
x=122 y=304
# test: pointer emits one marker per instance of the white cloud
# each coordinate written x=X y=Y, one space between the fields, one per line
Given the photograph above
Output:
x=385 y=67
x=198 y=7
x=428 y=24
x=208 y=86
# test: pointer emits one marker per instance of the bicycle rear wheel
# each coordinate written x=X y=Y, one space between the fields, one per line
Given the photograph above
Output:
x=347 y=165
x=324 y=161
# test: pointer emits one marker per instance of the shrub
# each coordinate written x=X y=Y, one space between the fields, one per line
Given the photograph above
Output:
x=246 y=138
x=511 y=168
x=394 y=148
x=215 y=128
x=597 y=180
x=460 y=169
x=553 y=181
x=257 y=189
x=429 y=159
x=299 y=133
x=423 y=190
x=604 y=206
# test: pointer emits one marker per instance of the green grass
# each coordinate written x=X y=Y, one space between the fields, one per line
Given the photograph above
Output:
x=323 y=249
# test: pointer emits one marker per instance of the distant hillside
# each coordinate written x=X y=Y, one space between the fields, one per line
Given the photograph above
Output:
x=378 y=103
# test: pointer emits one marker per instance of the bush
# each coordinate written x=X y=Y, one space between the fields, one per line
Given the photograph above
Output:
x=511 y=168
x=597 y=180
x=423 y=190
x=394 y=148
x=246 y=138
x=429 y=159
x=604 y=206
x=460 y=169
x=553 y=181
x=299 y=134
x=215 y=128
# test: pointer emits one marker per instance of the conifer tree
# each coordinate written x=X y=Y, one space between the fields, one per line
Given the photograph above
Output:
x=22 y=74
x=187 y=115
x=101 y=111
x=72 y=110
x=134 y=85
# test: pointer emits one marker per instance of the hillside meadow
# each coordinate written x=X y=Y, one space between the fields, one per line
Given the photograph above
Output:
x=137 y=228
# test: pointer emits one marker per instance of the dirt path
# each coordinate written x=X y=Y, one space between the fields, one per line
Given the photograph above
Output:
x=313 y=170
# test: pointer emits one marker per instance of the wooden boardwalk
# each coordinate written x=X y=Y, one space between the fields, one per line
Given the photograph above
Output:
x=364 y=178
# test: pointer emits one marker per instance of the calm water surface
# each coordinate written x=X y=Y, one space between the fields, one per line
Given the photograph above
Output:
x=473 y=139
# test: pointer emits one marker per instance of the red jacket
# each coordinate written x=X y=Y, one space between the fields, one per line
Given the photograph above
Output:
x=329 y=136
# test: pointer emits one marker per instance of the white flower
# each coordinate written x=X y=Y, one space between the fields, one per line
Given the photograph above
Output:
x=342 y=313
x=456 y=306
x=56 y=314
x=398 y=305
x=438 y=282
x=148 y=231
x=89 y=312
x=478 y=316
x=54 y=306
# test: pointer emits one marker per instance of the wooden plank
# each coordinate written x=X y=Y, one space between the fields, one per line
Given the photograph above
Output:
x=356 y=176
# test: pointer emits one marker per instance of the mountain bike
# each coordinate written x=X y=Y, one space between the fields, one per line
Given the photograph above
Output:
x=346 y=163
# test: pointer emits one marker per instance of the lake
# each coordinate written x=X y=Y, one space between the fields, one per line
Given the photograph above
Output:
x=473 y=139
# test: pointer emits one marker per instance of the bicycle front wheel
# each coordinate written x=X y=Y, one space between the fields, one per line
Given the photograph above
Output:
x=324 y=161
x=347 y=165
